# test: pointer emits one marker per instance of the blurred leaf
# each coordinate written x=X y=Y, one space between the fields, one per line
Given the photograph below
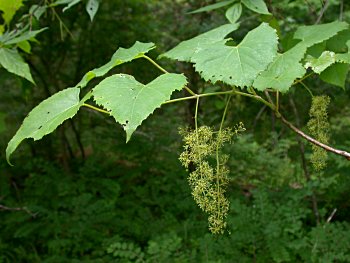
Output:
x=46 y=117
x=241 y=64
x=27 y=35
x=37 y=11
x=92 y=7
x=25 y=46
x=258 y=6
x=234 y=13
x=9 y=8
x=130 y=102
x=212 y=7
x=69 y=3
x=121 y=56
x=14 y=63
x=185 y=50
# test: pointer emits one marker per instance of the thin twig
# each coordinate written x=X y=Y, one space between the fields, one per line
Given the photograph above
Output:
x=314 y=141
x=324 y=8
x=303 y=161
x=25 y=209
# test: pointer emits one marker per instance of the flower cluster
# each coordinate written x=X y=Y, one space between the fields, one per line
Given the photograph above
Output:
x=208 y=184
x=318 y=126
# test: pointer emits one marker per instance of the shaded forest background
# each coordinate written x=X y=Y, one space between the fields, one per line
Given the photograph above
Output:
x=89 y=197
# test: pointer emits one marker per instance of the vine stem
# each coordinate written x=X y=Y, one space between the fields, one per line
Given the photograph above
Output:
x=96 y=109
x=164 y=71
x=314 y=141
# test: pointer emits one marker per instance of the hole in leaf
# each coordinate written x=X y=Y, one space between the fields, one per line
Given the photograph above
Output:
x=213 y=76
x=230 y=77
x=40 y=127
x=48 y=112
x=127 y=122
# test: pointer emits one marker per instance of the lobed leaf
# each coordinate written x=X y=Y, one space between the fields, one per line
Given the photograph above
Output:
x=46 y=117
x=121 y=56
x=130 y=102
x=212 y=7
x=238 y=65
x=186 y=49
x=14 y=63
x=283 y=70
x=258 y=6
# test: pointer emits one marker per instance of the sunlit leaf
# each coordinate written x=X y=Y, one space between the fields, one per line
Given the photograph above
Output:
x=319 y=64
x=9 y=8
x=130 y=102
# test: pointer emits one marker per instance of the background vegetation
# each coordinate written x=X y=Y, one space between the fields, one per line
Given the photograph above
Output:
x=83 y=195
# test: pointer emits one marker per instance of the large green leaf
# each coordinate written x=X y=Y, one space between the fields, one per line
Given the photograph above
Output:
x=319 y=64
x=283 y=71
x=121 y=56
x=238 y=65
x=46 y=117
x=14 y=63
x=130 y=102
x=186 y=49
x=212 y=7
x=336 y=74
x=257 y=6
x=314 y=34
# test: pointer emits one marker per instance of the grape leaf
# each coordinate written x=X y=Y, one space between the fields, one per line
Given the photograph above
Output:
x=121 y=56
x=130 y=102
x=314 y=34
x=258 y=6
x=186 y=49
x=46 y=117
x=336 y=74
x=13 y=62
x=234 y=13
x=283 y=70
x=212 y=7
x=319 y=64
x=92 y=7
x=238 y=65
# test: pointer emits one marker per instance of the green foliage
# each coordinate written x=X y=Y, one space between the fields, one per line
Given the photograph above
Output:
x=188 y=48
x=131 y=102
x=13 y=62
x=241 y=64
x=234 y=13
x=46 y=117
x=257 y=6
x=121 y=56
